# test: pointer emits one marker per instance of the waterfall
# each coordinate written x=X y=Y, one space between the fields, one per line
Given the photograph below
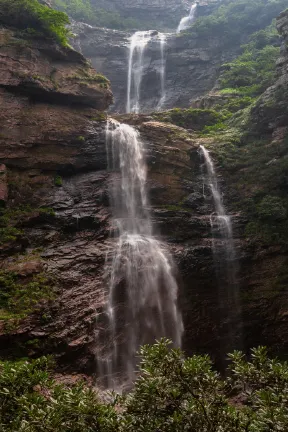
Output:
x=221 y=221
x=142 y=300
x=224 y=254
x=162 y=72
x=138 y=43
x=136 y=68
x=188 y=20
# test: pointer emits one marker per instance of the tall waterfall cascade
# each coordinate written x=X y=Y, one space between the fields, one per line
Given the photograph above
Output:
x=224 y=252
x=142 y=300
x=220 y=221
x=188 y=20
x=136 y=68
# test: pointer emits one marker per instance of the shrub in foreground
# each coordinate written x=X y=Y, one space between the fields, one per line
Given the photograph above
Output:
x=172 y=394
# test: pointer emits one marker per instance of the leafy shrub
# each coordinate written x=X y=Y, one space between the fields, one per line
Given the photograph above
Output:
x=172 y=394
x=8 y=234
x=86 y=11
x=31 y=402
x=272 y=208
x=20 y=297
x=218 y=127
x=58 y=181
x=254 y=70
x=238 y=18
x=190 y=118
x=35 y=19
x=11 y=218
x=235 y=104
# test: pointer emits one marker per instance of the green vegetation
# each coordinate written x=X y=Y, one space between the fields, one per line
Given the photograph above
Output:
x=254 y=70
x=171 y=394
x=257 y=170
x=235 y=104
x=241 y=82
x=272 y=208
x=257 y=173
x=100 y=116
x=86 y=11
x=20 y=297
x=8 y=233
x=81 y=138
x=85 y=76
x=58 y=181
x=35 y=19
x=233 y=19
x=11 y=219
x=190 y=118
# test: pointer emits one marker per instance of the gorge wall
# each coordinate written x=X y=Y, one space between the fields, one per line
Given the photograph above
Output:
x=55 y=217
x=165 y=12
x=192 y=65
x=193 y=58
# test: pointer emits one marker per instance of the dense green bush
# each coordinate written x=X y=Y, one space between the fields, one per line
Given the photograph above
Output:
x=35 y=19
x=19 y=297
x=11 y=218
x=31 y=402
x=190 y=118
x=171 y=394
x=235 y=20
x=272 y=208
x=254 y=70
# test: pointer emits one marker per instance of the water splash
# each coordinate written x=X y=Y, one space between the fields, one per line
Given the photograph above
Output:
x=142 y=301
x=136 y=68
x=187 y=21
x=224 y=253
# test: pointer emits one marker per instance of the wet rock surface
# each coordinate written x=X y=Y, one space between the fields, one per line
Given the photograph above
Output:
x=55 y=157
x=192 y=65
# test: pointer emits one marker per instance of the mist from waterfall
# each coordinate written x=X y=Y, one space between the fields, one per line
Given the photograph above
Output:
x=187 y=21
x=136 y=68
x=224 y=253
x=142 y=300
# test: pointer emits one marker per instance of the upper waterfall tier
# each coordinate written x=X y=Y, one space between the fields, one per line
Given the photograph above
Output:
x=187 y=21
x=137 y=65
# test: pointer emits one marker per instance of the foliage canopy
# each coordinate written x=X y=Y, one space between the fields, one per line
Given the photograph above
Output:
x=171 y=394
x=254 y=70
x=235 y=20
x=86 y=11
x=35 y=19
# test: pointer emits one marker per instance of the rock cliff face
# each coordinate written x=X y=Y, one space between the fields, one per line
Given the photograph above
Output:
x=166 y=12
x=55 y=218
x=192 y=65
x=51 y=128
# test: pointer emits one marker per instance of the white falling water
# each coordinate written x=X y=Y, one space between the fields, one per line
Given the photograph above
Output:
x=188 y=20
x=136 y=67
x=162 y=38
x=139 y=41
x=225 y=259
x=220 y=221
x=142 y=302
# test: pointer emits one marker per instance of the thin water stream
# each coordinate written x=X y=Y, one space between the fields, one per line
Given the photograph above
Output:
x=187 y=21
x=225 y=257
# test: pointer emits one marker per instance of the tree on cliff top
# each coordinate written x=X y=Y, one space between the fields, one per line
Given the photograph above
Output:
x=35 y=19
